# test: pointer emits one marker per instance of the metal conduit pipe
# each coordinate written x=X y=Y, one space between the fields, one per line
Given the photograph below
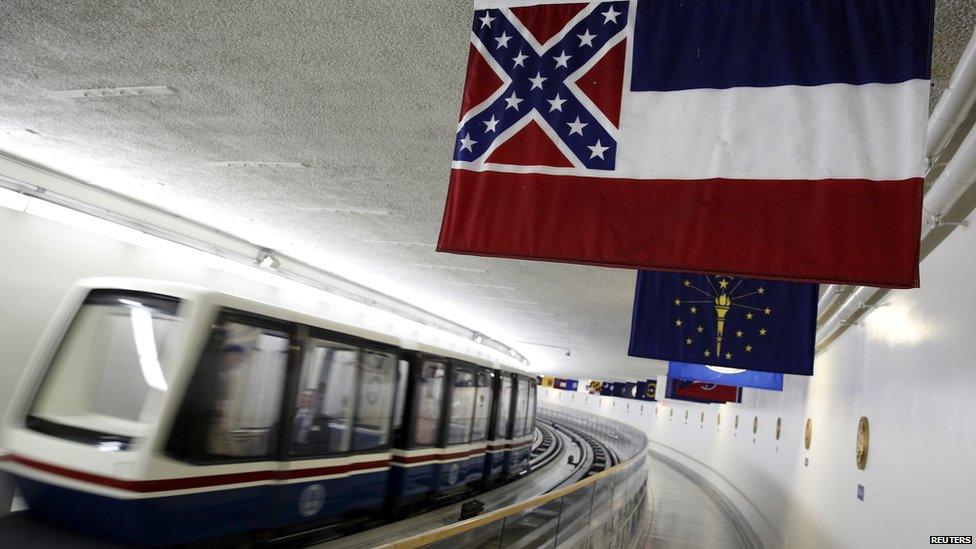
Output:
x=957 y=177
x=828 y=296
x=839 y=319
x=955 y=103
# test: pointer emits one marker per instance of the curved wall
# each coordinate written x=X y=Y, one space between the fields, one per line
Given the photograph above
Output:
x=909 y=366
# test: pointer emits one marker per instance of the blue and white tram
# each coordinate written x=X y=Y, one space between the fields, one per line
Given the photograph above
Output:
x=161 y=414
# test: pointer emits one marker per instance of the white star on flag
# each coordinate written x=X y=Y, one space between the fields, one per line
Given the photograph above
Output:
x=486 y=20
x=576 y=127
x=586 y=39
x=513 y=101
x=519 y=59
x=490 y=124
x=503 y=40
x=561 y=59
x=596 y=150
x=537 y=81
x=610 y=16
x=556 y=104
x=466 y=142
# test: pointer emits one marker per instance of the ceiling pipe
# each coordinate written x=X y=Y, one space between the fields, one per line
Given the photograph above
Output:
x=957 y=176
x=830 y=292
x=840 y=318
x=954 y=105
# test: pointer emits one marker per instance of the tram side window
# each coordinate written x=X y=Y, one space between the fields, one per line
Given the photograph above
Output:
x=504 y=408
x=400 y=402
x=323 y=412
x=462 y=406
x=372 y=428
x=521 y=407
x=232 y=405
x=482 y=407
x=430 y=388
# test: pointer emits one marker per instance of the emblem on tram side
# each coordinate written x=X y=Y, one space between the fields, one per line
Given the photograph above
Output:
x=311 y=501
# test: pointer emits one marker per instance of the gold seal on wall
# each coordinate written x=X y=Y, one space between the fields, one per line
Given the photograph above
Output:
x=779 y=426
x=808 y=434
x=863 y=439
x=755 y=424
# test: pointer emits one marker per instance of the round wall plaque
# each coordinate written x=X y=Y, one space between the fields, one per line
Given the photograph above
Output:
x=808 y=434
x=779 y=426
x=755 y=424
x=863 y=440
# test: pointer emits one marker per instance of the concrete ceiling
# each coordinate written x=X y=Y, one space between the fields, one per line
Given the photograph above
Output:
x=365 y=94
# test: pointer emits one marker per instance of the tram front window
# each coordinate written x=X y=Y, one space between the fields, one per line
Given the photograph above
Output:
x=106 y=381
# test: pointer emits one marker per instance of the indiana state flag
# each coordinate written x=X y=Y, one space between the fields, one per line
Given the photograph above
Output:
x=725 y=321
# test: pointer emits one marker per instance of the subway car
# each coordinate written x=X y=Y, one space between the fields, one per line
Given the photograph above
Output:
x=161 y=414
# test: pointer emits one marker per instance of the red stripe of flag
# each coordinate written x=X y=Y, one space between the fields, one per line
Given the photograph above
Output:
x=869 y=233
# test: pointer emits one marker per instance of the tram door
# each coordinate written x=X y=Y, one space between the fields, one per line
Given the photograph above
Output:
x=336 y=443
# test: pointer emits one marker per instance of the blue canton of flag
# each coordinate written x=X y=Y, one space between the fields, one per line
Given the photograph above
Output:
x=770 y=381
x=540 y=84
x=725 y=321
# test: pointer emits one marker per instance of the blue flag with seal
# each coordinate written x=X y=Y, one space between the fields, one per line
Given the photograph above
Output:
x=769 y=381
x=729 y=321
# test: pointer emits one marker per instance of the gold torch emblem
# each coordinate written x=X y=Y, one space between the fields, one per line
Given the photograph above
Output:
x=722 y=306
x=740 y=316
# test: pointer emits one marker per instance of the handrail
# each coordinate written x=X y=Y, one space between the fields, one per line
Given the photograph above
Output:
x=443 y=532
x=451 y=530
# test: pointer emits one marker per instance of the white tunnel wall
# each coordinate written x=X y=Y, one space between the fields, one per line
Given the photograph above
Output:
x=909 y=367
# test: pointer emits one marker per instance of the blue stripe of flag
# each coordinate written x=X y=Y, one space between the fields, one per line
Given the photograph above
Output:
x=699 y=372
x=719 y=44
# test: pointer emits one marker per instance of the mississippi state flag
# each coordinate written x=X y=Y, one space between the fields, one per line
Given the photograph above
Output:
x=766 y=138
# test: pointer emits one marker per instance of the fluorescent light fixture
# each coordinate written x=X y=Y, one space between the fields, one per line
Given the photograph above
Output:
x=299 y=291
x=80 y=220
x=256 y=164
x=268 y=261
x=103 y=93
x=142 y=330
x=13 y=200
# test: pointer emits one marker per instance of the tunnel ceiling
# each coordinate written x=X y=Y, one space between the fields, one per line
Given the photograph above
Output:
x=365 y=94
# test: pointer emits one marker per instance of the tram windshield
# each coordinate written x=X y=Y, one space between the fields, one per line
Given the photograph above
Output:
x=105 y=383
